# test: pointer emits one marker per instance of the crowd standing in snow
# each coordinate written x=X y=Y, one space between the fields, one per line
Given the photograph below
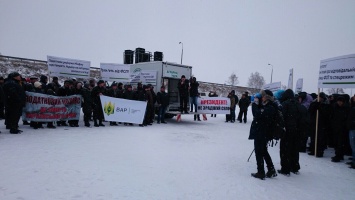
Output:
x=292 y=119
x=283 y=115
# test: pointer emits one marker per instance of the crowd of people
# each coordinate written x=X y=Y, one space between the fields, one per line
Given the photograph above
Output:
x=292 y=118
x=12 y=99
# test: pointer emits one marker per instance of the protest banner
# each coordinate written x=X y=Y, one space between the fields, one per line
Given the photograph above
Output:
x=68 y=67
x=144 y=77
x=48 y=108
x=290 y=79
x=123 y=110
x=213 y=105
x=273 y=87
x=115 y=72
x=299 y=85
x=338 y=72
x=150 y=76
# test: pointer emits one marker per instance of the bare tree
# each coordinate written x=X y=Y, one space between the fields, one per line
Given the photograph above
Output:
x=335 y=91
x=233 y=79
x=256 y=80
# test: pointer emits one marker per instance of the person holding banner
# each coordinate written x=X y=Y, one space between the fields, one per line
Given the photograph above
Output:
x=115 y=93
x=65 y=90
x=324 y=109
x=96 y=92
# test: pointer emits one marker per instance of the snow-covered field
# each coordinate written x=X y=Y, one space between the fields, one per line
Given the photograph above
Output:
x=179 y=160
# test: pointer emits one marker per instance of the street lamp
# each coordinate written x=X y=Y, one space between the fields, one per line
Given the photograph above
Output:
x=272 y=71
x=182 y=50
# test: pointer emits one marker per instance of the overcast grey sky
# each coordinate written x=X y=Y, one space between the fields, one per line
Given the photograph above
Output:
x=219 y=37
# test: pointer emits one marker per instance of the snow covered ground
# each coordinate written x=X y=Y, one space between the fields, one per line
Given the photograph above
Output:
x=179 y=160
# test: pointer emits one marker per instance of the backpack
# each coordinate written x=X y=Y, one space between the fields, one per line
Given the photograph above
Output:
x=277 y=126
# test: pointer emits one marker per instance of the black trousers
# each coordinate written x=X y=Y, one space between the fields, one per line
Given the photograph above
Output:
x=183 y=103
x=241 y=114
x=2 y=113
x=321 y=140
x=261 y=154
x=289 y=151
x=339 y=137
x=13 y=117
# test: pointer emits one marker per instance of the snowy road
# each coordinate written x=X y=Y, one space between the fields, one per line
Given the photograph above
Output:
x=186 y=160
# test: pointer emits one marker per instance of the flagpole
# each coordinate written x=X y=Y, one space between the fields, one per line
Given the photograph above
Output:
x=316 y=138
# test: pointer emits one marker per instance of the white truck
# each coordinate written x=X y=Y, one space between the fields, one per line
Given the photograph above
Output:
x=160 y=73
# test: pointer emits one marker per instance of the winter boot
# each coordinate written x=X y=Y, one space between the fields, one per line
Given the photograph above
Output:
x=95 y=123
x=258 y=175
x=100 y=123
x=337 y=159
x=283 y=172
x=271 y=173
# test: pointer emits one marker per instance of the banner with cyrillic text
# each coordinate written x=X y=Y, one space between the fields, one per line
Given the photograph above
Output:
x=213 y=105
x=123 y=110
x=48 y=108
x=144 y=77
x=338 y=72
x=273 y=87
x=115 y=72
x=68 y=67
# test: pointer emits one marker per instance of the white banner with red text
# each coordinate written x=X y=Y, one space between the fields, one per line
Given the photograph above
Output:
x=213 y=105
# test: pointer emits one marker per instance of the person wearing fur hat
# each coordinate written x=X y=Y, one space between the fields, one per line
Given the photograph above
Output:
x=96 y=92
x=324 y=109
x=14 y=101
x=263 y=112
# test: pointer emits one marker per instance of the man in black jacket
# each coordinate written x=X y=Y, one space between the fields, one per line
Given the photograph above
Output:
x=96 y=92
x=324 y=109
x=351 y=127
x=338 y=120
x=115 y=93
x=243 y=108
x=163 y=102
x=65 y=90
x=261 y=127
x=236 y=101
x=15 y=100
x=183 y=87
x=290 y=141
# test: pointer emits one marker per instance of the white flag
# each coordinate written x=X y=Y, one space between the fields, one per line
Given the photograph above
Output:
x=290 y=80
x=299 y=85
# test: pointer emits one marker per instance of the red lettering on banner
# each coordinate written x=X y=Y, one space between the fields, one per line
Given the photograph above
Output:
x=214 y=102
